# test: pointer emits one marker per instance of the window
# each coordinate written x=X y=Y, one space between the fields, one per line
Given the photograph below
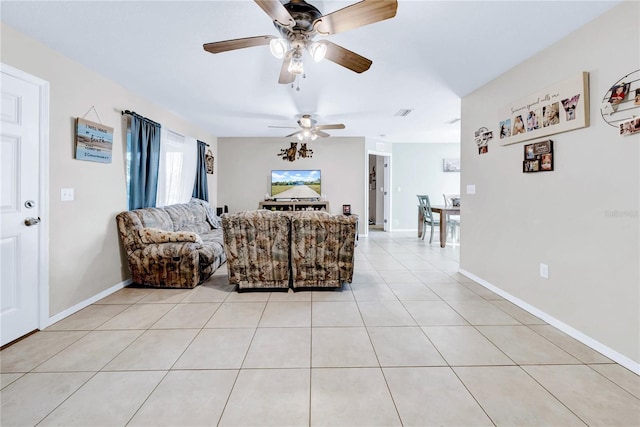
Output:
x=177 y=172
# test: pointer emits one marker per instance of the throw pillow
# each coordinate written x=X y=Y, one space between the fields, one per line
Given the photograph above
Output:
x=155 y=235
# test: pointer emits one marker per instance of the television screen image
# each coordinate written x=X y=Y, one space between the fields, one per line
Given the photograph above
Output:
x=295 y=184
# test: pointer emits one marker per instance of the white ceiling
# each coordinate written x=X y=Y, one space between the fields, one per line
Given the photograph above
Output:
x=425 y=59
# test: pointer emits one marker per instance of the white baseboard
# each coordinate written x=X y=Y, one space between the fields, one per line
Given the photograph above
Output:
x=69 y=311
x=574 y=333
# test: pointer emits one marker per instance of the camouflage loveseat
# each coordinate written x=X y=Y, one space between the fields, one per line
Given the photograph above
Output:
x=175 y=246
x=306 y=249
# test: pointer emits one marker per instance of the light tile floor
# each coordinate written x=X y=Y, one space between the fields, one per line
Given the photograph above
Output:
x=409 y=342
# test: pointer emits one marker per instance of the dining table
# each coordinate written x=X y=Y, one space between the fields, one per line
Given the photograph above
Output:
x=444 y=212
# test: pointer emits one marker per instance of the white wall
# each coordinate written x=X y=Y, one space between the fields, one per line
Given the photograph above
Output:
x=562 y=218
x=417 y=169
x=245 y=166
x=85 y=254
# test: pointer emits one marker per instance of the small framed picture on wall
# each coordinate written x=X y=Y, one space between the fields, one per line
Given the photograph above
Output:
x=346 y=209
x=538 y=157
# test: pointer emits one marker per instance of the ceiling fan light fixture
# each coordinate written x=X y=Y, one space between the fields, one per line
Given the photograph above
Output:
x=278 y=48
x=300 y=136
x=314 y=136
x=295 y=66
x=317 y=51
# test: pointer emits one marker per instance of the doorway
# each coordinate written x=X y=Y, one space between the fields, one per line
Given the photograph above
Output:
x=24 y=192
x=378 y=191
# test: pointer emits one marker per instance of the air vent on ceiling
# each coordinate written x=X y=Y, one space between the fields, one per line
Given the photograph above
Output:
x=403 y=112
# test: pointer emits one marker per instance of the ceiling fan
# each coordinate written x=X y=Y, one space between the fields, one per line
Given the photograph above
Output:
x=299 y=22
x=309 y=130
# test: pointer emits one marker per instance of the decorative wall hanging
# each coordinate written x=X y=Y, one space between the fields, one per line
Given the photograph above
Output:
x=482 y=138
x=209 y=159
x=538 y=157
x=94 y=141
x=621 y=103
x=290 y=153
x=558 y=108
x=372 y=178
x=451 y=165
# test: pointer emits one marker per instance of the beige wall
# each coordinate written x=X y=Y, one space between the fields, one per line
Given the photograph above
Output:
x=246 y=163
x=582 y=218
x=84 y=250
x=418 y=169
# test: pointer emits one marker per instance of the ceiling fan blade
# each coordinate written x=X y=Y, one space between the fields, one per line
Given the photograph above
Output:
x=282 y=127
x=293 y=134
x=321 y=134
x=325 y=127
x=277 y=12
x=363 y=13
x=227 y=45
x=346 y=58
x=285 y=76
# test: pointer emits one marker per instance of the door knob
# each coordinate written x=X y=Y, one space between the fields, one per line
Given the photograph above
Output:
x=31 y=221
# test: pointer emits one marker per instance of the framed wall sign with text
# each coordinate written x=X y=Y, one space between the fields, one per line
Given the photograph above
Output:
x=558 y=108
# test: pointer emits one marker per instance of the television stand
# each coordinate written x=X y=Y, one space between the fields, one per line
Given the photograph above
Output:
x=299 y=205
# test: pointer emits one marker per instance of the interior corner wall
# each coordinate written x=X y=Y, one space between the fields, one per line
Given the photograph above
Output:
x=418 y=169
x=85 y=254
x=580 y=219
x=246 y=164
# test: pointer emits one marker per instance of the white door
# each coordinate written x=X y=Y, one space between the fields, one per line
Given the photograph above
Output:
x=387 y=193
x=20 y=204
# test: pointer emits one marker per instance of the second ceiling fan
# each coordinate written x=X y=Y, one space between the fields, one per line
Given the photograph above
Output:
x=308 y=129
x=299 y=22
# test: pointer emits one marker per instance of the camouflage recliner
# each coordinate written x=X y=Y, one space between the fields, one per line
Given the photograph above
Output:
x=268 y=249
x=175 y=246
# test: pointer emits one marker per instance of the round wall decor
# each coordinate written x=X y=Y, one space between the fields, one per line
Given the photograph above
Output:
x=622 y=101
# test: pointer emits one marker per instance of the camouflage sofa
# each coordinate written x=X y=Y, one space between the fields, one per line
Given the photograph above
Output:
x=176 y=246
x=268 y=249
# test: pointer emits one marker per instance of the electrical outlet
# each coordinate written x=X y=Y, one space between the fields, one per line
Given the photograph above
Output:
x=66 y=194
x=544 y=271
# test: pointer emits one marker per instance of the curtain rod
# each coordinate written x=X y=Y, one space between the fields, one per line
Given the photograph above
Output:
x=133 y=113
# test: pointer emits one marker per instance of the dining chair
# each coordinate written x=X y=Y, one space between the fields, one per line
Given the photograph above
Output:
x=427 y=216
x=453 y=221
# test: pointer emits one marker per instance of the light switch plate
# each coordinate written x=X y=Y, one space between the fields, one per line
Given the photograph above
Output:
x=544 y=271
x=471 y=189
x=66 y=194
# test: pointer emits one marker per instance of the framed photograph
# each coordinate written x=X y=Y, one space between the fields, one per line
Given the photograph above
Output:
x=346 y=209
x=637 y=98
x=618 y=93
x=451 y=165
x=208 y=158
x=630 y=127
x=538 y=157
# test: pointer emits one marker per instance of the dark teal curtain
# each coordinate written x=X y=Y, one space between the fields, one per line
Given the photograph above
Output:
x=143 y=152
x=200 y=187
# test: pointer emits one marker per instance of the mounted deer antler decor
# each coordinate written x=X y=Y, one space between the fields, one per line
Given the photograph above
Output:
x=290 y=153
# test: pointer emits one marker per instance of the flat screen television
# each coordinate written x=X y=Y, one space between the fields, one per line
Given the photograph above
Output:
x=295 y=184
